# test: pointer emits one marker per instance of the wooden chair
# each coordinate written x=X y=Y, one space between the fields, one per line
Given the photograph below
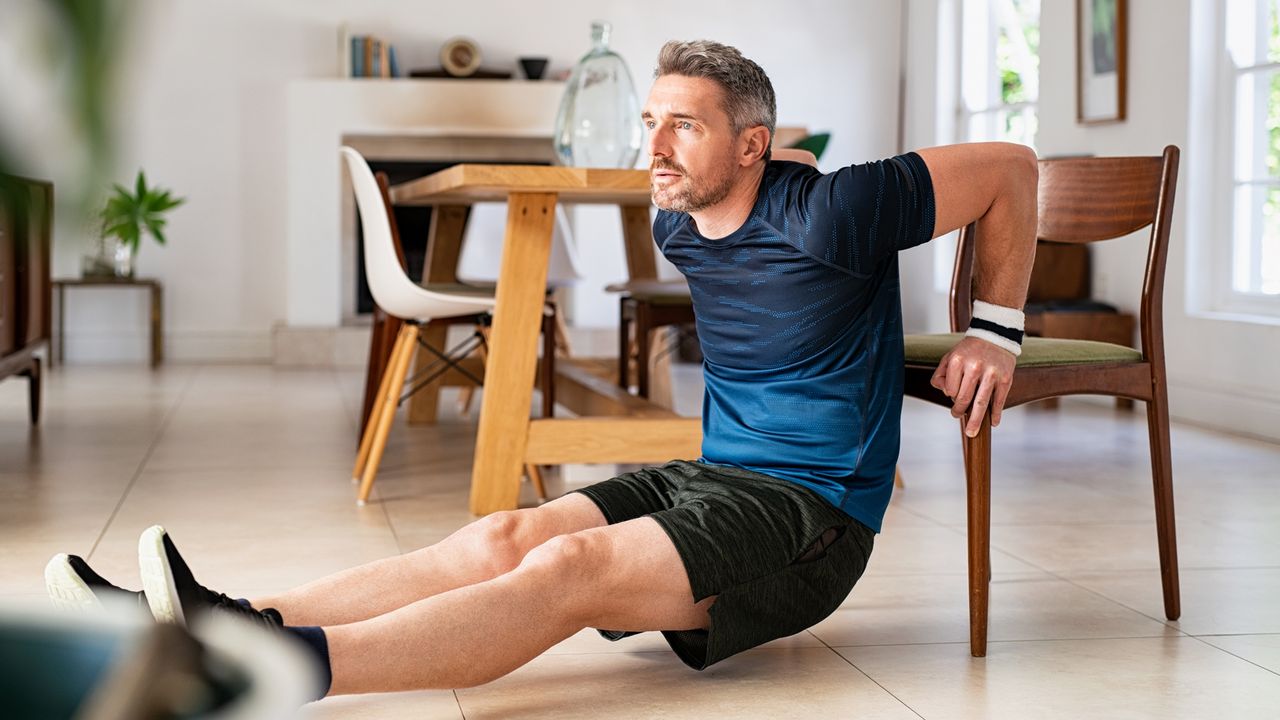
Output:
x=1081 y=200
x=386 y=327
x=645 y=306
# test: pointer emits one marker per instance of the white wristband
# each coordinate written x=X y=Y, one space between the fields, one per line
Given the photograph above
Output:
x=1001 y=326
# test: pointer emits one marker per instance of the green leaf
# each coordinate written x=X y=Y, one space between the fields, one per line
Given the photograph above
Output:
x=141 y=186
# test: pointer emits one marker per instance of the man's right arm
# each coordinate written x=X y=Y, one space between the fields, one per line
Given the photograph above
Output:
x=994 y=184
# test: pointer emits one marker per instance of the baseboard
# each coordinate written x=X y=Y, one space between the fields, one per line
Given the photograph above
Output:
x=94 y=347
x=1244 y=411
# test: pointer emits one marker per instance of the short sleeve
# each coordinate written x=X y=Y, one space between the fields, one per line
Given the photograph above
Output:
x=856 y=217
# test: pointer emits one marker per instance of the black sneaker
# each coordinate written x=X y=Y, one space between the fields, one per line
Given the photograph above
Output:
x=172 y=591
x=73 y=585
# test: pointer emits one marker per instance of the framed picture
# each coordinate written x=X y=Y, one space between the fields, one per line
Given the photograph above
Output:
x=1101 y=33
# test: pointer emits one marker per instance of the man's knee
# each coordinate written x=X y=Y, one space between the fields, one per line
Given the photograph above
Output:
x=570 y=559
x=502 y=539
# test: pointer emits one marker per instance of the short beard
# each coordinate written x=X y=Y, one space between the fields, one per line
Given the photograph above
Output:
x=695 y=196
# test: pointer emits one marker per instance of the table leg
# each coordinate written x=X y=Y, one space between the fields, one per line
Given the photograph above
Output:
x=513 y=353
x=157 y=326
x=444 y=246
x=62 y=324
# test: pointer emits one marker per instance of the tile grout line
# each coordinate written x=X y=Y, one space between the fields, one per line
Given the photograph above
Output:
x=1222 y=649
x=1069 y=581
x=865 y=675
x=352 y=413
x=458 y=700
x=142 y=464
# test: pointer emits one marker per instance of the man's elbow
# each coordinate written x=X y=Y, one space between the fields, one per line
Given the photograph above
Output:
x=1024 y=166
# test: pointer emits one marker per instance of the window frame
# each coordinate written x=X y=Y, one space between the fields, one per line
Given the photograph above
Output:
x=1228 y=179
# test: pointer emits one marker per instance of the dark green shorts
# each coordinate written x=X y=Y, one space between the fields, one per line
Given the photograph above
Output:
x=778 y=557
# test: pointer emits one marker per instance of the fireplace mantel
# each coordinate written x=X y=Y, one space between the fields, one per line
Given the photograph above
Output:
x=388 y=120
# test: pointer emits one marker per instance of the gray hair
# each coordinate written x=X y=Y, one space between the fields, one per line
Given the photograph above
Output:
x=748 y=95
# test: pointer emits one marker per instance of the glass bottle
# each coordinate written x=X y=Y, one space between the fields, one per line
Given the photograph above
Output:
x=598 y=124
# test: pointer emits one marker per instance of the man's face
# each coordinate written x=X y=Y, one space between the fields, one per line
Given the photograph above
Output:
x=692 y=162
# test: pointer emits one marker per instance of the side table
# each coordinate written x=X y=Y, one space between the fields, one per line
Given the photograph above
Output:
x=157 y=309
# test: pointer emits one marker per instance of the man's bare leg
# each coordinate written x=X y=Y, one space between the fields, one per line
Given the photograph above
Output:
x=624 y=577
x=483 y=550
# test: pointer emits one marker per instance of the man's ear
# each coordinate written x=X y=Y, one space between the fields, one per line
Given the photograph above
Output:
x=755 y=141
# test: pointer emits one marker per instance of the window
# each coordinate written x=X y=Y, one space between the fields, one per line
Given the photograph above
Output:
x=1249 y=279
x=999 y=70
x=999 y=87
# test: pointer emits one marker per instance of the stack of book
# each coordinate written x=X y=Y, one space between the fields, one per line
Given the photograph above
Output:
x=369 y=56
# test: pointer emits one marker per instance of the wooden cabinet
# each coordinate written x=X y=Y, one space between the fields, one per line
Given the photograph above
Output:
x=26 y=221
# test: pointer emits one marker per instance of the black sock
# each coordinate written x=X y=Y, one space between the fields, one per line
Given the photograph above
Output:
x=314 y=638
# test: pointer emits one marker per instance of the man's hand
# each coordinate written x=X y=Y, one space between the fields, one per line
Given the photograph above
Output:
x=977 y=372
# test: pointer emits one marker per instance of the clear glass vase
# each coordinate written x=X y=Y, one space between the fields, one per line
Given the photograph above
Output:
x=599 y=120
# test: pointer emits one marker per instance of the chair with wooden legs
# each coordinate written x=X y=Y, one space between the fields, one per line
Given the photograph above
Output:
x=1081 y=200
x=401 y=298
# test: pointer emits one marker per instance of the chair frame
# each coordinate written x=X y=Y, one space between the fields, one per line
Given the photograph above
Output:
x=1081 y=200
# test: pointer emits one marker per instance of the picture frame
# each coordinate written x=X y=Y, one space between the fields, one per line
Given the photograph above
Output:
x=1101 y=60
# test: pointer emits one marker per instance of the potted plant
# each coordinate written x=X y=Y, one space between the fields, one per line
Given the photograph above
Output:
x=127 y=216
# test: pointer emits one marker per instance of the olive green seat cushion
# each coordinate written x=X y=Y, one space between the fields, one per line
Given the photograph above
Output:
x=1036 y=351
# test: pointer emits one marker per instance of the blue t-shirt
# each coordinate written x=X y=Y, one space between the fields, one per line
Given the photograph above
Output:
x=800 y=320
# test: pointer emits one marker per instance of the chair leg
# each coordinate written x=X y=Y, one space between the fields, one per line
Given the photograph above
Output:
x=372 y=373
x=624 y=344
x=643 y=348
x=1162 y=480
x=33 y=390
x=371 y=424
x=547 y=368
x=386 y=413
x=978 y=479
x=535 y=476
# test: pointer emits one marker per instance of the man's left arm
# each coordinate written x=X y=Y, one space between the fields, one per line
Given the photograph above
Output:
x=995 y=185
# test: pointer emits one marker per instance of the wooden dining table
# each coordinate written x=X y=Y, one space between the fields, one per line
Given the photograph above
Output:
x=610 y=426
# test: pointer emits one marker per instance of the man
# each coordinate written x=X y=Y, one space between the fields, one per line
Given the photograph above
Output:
x=795 y=285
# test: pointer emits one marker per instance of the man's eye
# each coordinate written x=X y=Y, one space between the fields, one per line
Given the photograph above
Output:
x=686 y=126
x=649 y=124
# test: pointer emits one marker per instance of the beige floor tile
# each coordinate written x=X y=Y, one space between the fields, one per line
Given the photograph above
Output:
x=904 y=609
x=763 y=683
x=932 y=549
x=426 y=705
x=1172 y=677
x=1226 y=601
x=1261 y=650
x=1104 y=547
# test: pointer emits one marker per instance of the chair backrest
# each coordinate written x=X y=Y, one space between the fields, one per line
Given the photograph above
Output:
x=1084 y=200
x=389 y=284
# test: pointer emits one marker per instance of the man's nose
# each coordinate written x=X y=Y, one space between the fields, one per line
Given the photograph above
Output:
x=659 y=145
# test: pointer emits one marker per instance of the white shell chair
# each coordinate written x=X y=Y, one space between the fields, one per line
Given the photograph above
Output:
x=400 y=297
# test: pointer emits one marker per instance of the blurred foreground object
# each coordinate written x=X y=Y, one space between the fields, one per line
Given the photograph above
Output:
x=121 y=665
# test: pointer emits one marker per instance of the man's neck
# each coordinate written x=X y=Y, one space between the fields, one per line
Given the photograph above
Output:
x=726 y=216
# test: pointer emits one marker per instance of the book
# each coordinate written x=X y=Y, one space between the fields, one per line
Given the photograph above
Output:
x=394 y=66
x=356 y=53
x=384 y=64
x=367 y=51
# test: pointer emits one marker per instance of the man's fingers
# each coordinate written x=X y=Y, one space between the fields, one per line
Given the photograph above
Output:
x=964 y=395
x=939 y=375
x=955 y=375
x=981 y=401
x=1002 y=394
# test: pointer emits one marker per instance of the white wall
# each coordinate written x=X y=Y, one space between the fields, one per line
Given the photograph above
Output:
x=205 y=115
x=1221 y=372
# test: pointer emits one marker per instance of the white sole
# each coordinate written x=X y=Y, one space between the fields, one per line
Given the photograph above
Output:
x=157 y=577
x=67 y=591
